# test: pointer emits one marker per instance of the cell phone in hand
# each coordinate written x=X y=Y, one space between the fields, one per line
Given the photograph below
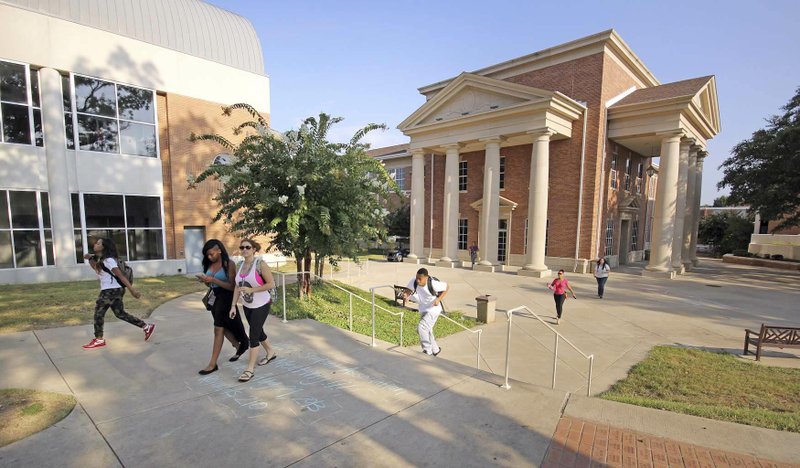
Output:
x=200 y=276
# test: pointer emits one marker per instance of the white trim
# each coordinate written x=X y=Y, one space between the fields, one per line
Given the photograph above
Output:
x=620 y=96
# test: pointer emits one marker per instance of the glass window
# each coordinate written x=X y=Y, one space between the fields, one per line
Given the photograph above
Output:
x=69 y=129
x=138 y=139
x=76 y=210
x=35 y=97
x=24 y=213
x=135 y=104
x=79 y=246
x=143 y=211
x=145 y=244
x=463 y=229
x=13 y=86
x=502 y=172
x=97 y=134
x=117 y=235
x=37 y=127
x=6 y=253
x=4 y=223
x=103 y=211
x=635 y=235
x=27 y=248
x=95 y=97
x=609 y=237
x=16 y=123
x=45 y=210
x=462 y=176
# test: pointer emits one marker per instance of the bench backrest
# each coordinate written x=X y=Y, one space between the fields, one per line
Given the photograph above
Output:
x=780 y=335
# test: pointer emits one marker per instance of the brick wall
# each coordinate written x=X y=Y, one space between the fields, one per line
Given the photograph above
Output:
x=180 y=116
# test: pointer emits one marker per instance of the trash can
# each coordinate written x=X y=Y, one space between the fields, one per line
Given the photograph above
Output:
x=486 y=306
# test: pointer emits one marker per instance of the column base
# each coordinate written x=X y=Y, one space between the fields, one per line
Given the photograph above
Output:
x=535 y=273
x=413 y=261
x=695 y=262
x=489 y=268
x=448 y=263
x=658 y=274
x=679 y=270
x=687 y=266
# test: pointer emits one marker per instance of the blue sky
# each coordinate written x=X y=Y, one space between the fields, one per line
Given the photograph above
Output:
x=364 y=60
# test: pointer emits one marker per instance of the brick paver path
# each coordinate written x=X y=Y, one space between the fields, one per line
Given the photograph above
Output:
x=579 y=443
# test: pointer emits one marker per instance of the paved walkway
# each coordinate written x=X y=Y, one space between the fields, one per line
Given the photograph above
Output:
x=332 y=400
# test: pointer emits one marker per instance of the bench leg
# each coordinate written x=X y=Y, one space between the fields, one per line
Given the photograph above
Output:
x=746 y=342
x=758 y=352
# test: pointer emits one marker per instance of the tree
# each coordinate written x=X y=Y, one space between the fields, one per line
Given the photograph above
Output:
x=720 y=201
x=764 y=171
x=399 y=221
x=725 y=232
x=311 y=195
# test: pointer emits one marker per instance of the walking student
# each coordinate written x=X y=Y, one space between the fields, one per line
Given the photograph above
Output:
x=473 y=254
x=559 y=286
x=220 y=276
x=253 y=282
x=105 y=263
x=429 y=293
x=601 y=272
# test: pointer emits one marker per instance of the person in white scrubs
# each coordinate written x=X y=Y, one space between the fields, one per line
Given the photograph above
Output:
x=428 y=293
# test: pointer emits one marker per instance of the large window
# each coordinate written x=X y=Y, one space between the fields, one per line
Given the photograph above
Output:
x=639 y=174
x=399 y=176
x=635 y=235
x=26 y=235
x=628 y=166
x=114 y=118
x=502 y=172
x=462 y=176
x=20 y=105
x=133 y=222
x=463 y=230
x=609 y=237
x=613 y=172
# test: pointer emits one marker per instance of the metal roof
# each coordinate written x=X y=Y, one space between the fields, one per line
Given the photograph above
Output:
x=193 y=27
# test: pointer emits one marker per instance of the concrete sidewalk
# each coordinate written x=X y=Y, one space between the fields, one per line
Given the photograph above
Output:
x=332 y=400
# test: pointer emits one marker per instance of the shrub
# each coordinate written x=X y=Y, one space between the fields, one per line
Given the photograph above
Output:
x=741 y=253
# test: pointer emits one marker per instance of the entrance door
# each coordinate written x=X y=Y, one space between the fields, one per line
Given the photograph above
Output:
x=624 y=241
x=193 y=240
x=502 y=240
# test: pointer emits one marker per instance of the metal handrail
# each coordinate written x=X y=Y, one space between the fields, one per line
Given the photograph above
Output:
x=401 y=314
x=558 y=336
x=478 y=331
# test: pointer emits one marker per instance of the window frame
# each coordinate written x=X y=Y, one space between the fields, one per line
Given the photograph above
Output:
x=501 y=173
x=41 y=229
x=635 y=234
x=609 y=250
x=463 y=223
x=117 y=118
x=28 y=104
x=463 y=177
x=84 y=230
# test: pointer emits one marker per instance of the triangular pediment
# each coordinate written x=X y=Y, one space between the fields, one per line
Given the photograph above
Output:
x=706 y=103
x=470 y=95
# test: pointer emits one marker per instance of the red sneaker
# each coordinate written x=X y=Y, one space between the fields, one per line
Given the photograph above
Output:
x=148 y=330
x=95 y=343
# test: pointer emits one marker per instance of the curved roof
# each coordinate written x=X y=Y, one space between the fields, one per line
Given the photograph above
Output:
x=193 y=27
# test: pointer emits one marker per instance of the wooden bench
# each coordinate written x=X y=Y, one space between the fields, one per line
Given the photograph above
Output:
x=775 y=337
x=399 y=294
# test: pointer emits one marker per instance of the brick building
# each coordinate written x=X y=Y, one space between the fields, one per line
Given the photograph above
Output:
x=580 y=123
x=97 y=103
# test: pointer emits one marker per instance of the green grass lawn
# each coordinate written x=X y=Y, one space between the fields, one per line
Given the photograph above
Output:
x=32 y=307
x=713 y=385
x=330 y=305
x=24 y=412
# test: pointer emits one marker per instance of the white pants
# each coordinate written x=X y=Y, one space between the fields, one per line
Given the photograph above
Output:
x=425 y=329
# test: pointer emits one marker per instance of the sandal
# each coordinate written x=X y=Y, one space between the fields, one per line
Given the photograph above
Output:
x=246 y=376
x=264 y=361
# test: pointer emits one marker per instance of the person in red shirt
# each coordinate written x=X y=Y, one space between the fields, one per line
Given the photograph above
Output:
x=559 y=286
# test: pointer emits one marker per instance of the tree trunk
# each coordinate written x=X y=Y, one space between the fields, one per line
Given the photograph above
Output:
x=298 y=259
x=307 y=275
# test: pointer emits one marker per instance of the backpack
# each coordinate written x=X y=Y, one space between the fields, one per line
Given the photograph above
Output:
x=124 y=268
x=430 y=289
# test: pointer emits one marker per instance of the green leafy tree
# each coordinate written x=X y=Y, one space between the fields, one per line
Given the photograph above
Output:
x=311 y=195
x=399 y=221
x=764 y=171
x=720 y=201
x=725 y=232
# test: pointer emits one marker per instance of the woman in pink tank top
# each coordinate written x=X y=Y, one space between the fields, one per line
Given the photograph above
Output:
x=560 y=286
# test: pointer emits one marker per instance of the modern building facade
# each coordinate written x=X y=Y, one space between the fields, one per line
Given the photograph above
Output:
x=543 y=161
x=97 y=103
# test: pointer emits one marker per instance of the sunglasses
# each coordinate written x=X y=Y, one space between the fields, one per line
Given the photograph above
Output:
x=245 y=247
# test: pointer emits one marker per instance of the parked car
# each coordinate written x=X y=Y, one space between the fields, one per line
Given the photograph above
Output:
x=397 y=254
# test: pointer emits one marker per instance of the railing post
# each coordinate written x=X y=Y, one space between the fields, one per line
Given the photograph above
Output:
x=401 y=329
x=372 y=290
x=508 y=349
x=478 y=357
x=589 y=385
x=283 y=292
x=351 y=312
x=555 y=361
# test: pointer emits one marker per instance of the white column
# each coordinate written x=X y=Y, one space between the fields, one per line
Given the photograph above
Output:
x=688 y=220
x=680 y=206
x=537 y=205
x=417 y=206
x=450 y=231
x=56 y=155
x=490 y=211
x=664 y=212
x=698 y=187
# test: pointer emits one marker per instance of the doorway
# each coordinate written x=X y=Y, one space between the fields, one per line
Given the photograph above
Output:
x=624 y=241
x=502 y=240
x=193 y=240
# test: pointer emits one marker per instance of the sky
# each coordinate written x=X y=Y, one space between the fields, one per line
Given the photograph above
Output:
x=364 y=60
